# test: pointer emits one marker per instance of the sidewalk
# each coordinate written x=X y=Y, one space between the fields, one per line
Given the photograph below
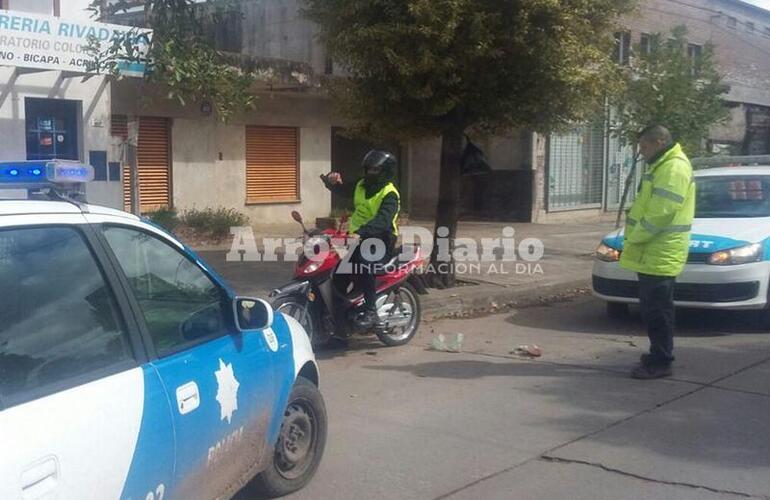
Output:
x=565 y=267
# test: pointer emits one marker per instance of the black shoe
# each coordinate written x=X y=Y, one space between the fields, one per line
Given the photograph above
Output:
x=651 y=372
x=648 y=359
x=366 y=320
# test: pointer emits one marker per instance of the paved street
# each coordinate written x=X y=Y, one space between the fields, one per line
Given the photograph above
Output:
x=411 y=423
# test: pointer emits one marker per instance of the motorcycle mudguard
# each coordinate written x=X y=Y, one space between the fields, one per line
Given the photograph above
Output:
x=293 y=288
x=418 y=282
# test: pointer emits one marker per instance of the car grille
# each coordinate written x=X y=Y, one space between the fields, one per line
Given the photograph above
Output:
x=683 y=292
x=698 y=258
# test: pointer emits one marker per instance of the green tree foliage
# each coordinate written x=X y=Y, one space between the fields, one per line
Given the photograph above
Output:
x=672 y=87
x=420 y=68
x=180 y=55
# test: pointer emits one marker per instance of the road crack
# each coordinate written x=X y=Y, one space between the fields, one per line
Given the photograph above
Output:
x=557 y=460
x=546 y=456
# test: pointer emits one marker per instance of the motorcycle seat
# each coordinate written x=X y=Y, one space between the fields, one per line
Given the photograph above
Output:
x=402 y=255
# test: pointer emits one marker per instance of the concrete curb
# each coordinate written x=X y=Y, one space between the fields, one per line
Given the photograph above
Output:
x=481 y=299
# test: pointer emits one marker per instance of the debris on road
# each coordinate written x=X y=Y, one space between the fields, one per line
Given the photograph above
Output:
x=440 y=343
x=529 y=351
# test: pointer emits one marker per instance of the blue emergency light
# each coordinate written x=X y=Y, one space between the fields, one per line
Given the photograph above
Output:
x=45 y=173
x=63 y=177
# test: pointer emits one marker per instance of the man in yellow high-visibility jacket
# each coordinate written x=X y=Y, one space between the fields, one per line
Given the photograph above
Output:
x=376 y=205
x=657 y=240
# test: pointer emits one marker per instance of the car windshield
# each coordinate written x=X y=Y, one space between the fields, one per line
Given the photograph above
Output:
x=732 y=196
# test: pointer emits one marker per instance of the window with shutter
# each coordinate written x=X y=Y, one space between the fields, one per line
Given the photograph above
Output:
x=154 y=161
x=272 y=164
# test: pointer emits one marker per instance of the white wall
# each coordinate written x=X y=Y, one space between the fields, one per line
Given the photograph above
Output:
x=201 y=180
x=75 y=9
x=94 y=134
x=93 y=95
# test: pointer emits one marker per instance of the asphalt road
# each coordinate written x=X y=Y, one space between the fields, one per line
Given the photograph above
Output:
x=409 y=423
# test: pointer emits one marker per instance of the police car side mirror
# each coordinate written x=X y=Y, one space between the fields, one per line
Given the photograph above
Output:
x=252 y=314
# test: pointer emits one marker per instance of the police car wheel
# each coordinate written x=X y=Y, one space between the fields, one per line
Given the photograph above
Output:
x=300 y=445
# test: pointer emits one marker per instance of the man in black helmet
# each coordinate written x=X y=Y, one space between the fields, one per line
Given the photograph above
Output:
x=376 y=204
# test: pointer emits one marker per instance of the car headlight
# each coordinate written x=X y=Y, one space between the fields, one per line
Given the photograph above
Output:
x=606 y=253
x=742 y=255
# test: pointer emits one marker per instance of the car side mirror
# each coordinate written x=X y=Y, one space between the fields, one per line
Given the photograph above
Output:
x=252 y=314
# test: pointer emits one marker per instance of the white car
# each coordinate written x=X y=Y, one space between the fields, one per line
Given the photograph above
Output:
x=729 y=262
x=129 y=369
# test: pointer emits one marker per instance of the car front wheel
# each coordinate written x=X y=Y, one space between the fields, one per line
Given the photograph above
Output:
x=300 y=444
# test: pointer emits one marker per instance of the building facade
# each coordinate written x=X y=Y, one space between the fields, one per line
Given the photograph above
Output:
x=584 y=170
x=48 y=113
x=264 y=162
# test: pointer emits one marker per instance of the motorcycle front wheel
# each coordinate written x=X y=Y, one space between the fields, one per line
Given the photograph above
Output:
x=399 y=315
x=297 y=307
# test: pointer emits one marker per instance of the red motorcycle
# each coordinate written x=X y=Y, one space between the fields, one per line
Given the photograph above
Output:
x=326 y=301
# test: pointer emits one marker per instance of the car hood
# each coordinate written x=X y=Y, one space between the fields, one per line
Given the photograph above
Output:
x=712 y=235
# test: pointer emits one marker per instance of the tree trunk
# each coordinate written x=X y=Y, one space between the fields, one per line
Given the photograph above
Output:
x=447 y=209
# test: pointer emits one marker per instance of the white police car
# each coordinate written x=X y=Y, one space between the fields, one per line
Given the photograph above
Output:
x=729 y=261
x=128 y=368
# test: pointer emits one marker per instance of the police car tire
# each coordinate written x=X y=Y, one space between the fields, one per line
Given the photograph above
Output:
x=270 y=483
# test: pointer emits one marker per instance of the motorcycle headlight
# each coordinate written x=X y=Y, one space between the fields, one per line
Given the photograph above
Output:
x=606 y=253
x=312 y=267
x=742 y=255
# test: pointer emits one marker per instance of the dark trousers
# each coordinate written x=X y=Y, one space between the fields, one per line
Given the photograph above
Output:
x=364 y=272
x=656 y=296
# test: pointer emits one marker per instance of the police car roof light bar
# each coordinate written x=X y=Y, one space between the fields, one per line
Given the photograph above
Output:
x=63 y=179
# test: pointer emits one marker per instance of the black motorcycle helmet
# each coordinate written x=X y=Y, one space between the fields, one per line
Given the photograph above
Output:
x=379 y=167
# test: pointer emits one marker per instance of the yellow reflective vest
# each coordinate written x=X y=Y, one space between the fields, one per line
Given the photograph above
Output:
x=366 y=208
x=657 y=232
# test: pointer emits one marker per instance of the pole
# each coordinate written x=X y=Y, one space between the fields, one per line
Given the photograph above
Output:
x=627 y=187
x=132 y=164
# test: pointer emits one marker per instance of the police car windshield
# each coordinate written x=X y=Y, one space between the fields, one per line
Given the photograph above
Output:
x=732 y=196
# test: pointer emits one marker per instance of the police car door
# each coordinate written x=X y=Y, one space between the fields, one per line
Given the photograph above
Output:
x=73 y=394
x=219 y=381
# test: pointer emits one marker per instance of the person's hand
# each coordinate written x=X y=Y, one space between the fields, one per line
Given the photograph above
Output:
x=334 y=178
x=353 y=239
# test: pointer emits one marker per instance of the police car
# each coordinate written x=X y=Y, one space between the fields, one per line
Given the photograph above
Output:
x=729 y=261
x=129 y=369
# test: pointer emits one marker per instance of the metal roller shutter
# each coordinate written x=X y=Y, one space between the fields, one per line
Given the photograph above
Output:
x=154 y=160
x=272 y=164
x=119 y=126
